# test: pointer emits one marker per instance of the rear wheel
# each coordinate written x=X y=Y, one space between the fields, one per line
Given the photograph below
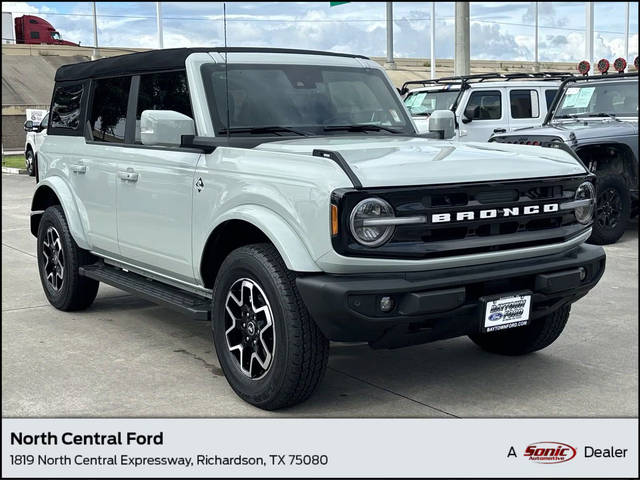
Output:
x=59 y=259
x=272 y=353
x=29 y=162
x=613 y=210
x=539 y=334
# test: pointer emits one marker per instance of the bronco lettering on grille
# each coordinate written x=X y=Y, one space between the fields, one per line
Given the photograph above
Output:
x=494 y=213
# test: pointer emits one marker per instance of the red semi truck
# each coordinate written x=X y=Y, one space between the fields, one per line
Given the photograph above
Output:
x=32 y=29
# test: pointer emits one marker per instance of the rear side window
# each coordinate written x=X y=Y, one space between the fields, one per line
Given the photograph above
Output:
x=35 y=34
x=486 y=105
x=524 y=104
x=163 y=91
x=109 y=109
x=65 y=108
x=550 y=95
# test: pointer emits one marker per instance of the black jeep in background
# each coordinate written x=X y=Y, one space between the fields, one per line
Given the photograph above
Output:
x=596 y=117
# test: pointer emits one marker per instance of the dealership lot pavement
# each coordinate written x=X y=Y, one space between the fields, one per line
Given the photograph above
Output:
x=127 y=357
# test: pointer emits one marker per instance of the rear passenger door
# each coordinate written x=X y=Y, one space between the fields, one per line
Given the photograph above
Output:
x=524 y=108
x=154 y=204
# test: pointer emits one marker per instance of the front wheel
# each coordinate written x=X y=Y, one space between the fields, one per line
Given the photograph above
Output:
x=29 y=162
x=272 y=353
x=59 y=260
x=613 y=210
x=539 y=334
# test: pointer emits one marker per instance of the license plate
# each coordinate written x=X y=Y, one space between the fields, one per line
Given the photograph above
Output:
x=505 y=312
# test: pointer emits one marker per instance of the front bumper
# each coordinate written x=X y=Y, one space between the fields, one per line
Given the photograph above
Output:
x=439 y=304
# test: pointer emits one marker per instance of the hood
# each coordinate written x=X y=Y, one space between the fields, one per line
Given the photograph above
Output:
x=388 y=161
x=583 y=129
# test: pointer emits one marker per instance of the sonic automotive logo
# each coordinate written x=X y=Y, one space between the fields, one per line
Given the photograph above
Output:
x=550 y=452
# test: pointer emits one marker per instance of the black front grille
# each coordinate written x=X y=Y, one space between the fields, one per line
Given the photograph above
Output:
x=501 y=230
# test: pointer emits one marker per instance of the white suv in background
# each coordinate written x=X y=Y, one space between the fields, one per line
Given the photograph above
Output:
x=486 y=103
x=33 y=141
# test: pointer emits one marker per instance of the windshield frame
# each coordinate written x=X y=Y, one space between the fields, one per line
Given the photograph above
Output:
x=585 y=83
x=313 y=130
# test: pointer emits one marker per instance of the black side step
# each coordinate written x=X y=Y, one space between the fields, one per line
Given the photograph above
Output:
x=195 y=306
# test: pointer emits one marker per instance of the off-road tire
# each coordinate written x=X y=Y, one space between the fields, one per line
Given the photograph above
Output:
x=75 y=292
x=30 y=162
x=300 y=355
x=539 y=334
x=601 y=234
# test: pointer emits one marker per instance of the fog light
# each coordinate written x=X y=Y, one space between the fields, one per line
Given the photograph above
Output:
x=386 y=304
x=583 y=273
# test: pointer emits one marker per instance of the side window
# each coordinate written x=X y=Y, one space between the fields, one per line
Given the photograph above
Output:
x=109 y=109
x=550 y=95
x=44 y=123
x=163 y=91
x=35 y=34
x=486 y=105
x=524 y=104
x=65 y=109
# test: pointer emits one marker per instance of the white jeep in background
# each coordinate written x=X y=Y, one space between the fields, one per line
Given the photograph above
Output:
x=285 y=196
x=484 y=104
x=36 y=133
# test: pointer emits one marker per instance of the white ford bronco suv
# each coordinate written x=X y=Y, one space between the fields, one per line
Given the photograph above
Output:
x=286 y=196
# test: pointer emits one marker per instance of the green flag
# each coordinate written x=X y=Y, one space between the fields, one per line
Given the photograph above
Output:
x=335 y=4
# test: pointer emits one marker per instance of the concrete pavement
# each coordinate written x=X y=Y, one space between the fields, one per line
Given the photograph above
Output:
x=127 y=357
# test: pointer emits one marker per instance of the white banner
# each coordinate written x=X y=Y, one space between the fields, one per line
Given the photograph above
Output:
x=35 y=115
x=597 y=448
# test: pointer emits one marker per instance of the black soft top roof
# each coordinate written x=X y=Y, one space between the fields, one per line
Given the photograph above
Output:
x=154 y=60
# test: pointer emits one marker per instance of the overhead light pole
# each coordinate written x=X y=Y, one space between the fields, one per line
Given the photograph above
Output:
x=536 y=59
x=390 y=64
x=159 y=24
x=626 y=31
x=462 y=59
x=433 y=40
x=588 y=44
x=95 y=33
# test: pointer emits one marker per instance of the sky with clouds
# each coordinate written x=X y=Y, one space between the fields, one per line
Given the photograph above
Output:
x=499 y=30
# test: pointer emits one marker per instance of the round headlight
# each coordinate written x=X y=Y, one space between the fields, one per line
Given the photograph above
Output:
x=584 y=214
x=367 y=222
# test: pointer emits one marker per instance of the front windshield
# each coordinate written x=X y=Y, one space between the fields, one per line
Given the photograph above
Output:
x=55 y=35
x=613 y=98
x=302 y=100
x=424 y=103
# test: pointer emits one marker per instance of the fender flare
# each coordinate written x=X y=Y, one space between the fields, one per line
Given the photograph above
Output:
x=67 y=201
x=288 y=243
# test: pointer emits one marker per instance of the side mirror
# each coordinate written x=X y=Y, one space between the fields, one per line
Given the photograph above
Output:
x=469 y=114
x=28 y=126
x=164 y=127
x=443 y=124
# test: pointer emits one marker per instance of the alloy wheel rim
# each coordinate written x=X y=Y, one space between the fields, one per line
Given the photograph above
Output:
x=609 y=208
x=54 y=261
x=249 y=331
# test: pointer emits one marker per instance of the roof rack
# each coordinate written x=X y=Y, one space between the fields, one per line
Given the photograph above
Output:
x=465 y=80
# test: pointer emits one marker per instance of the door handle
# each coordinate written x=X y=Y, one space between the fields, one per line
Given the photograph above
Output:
x=78 y=168
x=129 y=175
x=499 y=130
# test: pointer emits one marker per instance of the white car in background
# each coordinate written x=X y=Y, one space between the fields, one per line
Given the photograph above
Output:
x=484 y=104
x=36 y=133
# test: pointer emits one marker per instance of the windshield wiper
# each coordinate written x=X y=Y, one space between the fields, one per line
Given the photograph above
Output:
x=600 y=114
x=361 y=128
x=268 y=129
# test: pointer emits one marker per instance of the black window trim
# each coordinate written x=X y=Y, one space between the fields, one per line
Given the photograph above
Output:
x=524 y=89
x=479 y=92
x=132 y=105
x=65 y=131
